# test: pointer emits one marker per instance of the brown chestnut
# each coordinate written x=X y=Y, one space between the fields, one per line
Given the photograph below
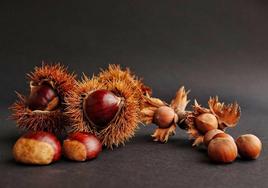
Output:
x=81 y=146
x=101 y=107
x=249 y=146
x=164 y=116
x=210 y=134
x=39 y=148
x=206 y=122
x=222 y=150
x=43 y=97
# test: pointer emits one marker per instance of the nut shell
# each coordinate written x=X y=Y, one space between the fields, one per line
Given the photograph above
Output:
x=101 y=107
x=164 y=117
x=210 y=134
x=206 y=122
x=223 y=135
x=249 y=146
x=81 y=146
x=222 y=150
x=30 y=151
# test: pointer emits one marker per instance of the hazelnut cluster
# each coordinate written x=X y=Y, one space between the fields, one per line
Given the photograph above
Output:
x=204 y=125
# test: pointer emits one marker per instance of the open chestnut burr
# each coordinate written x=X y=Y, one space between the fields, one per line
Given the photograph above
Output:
x=43 y=109
x=107 y=105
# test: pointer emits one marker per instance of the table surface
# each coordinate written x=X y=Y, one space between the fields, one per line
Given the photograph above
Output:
x=211 y=47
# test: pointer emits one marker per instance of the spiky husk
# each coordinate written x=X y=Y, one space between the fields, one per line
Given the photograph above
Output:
x=114 y=73
x=121 y=83
x=57 y=74
x=74 y=103
x=52 y=121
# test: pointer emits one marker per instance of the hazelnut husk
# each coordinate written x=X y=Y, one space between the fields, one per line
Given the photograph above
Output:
x=107 y=105
x=249 y=146
x=217 y=116
x=43 y=109
x=165 y=116
x=37 y=148
x=222 y=150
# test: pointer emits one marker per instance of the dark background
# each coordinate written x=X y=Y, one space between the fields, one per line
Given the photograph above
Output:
x=211 y=47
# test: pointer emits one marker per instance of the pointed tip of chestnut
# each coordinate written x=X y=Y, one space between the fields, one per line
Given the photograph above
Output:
x=249 y=146
x=164 y=116
x=101 y=107
x=81 y=146
x=43 y=97
x=38 y=148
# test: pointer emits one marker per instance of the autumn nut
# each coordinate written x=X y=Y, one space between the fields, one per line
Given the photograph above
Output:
x=164 y=117
x=222 y=150
x=101 y=107
x=81 y=146
x=206 y=122
x=38 y=148
x=210 y=134
x=249 y=146
x=43 y=97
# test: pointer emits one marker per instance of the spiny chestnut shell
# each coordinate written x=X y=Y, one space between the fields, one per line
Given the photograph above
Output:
x=249 y=146
x=222 y=150
x=101 y=107
x=40 y=148
x=82 y=146
x=164 y=117
x=206 y=122
x=43 y=97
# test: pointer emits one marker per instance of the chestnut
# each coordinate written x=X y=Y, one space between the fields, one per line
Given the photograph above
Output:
x=206 y=122
x=222 y=150
x=43 y=97
x=249 y=146
x=164 y=116
x=210 y=134
x=81 y=146
x=38 y=148
x=101 y=107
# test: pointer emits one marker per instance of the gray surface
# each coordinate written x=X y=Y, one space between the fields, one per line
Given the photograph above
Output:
x=212 y=47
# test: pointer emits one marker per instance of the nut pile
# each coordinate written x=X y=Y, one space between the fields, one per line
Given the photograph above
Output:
x=100 y=111
x=205 y=126
x=106 y=109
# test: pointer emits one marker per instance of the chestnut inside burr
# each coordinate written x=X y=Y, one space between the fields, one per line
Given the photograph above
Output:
x=101 y=107
x=43 y=97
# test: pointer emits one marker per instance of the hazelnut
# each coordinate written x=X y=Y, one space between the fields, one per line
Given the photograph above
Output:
x=81 y=146
x=222 y=150
x=43 y=97
x=101 y=107
x=223 y=135
x=39 y=148
x=249 y=146
x=164 y=116
x=210 y=134
x=206 y=122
